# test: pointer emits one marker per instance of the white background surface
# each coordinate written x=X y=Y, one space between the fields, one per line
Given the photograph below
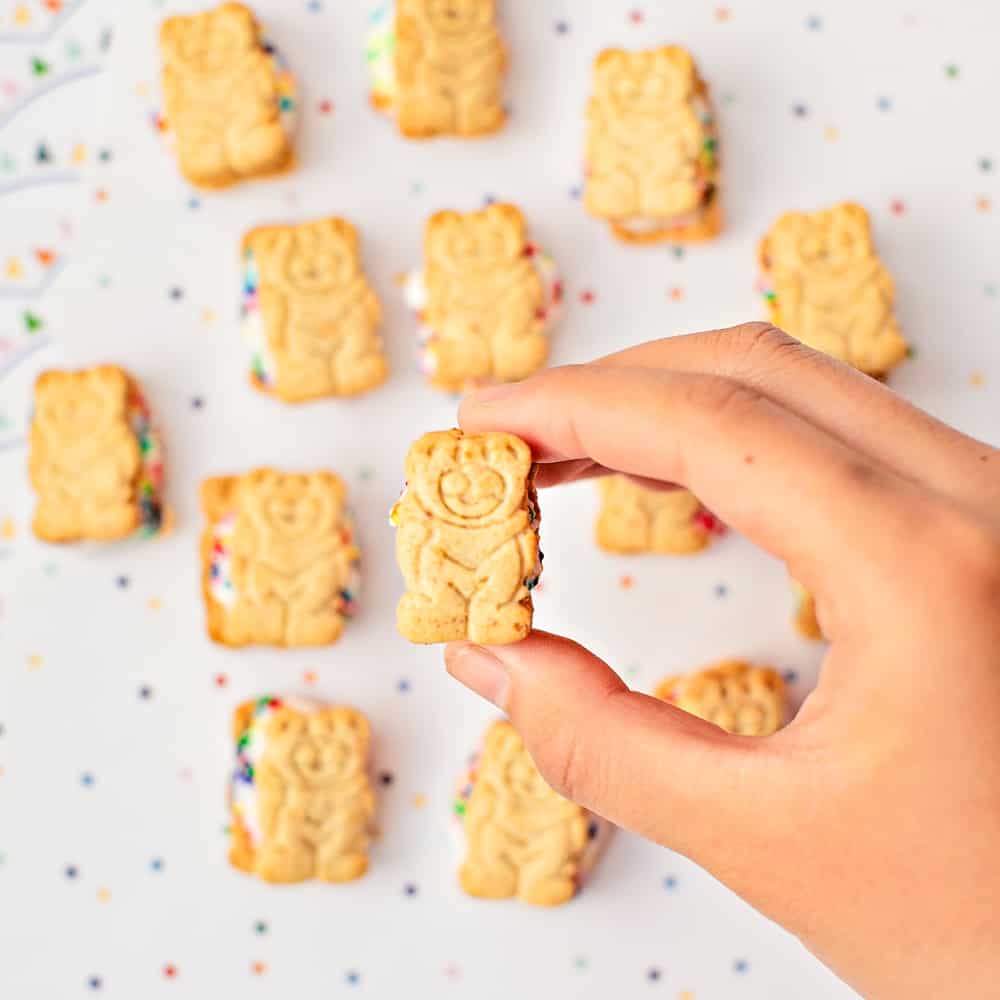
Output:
x=99 y=778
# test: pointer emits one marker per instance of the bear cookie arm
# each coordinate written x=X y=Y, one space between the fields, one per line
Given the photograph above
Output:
x=467 y=539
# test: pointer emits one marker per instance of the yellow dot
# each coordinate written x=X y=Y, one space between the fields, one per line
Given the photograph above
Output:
x=13 y=268
x=79 y=153
x=103 y=895
x=831 y=134
x=685 y=995
x=155 y=604
x=35 y=661
x=208 y=316
x=21 y=14
x=977 y=380
x=7 y=528
x=419 y=801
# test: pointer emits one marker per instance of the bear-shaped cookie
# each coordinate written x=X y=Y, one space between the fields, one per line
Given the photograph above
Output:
x=309 y=315
x=467 y=538
x=824 y=284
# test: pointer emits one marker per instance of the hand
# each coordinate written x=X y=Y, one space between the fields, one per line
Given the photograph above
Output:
x=869 y=826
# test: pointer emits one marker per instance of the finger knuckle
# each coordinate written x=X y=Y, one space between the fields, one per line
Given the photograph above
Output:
x=722 y=400
x=564 y=764
x=756 y=345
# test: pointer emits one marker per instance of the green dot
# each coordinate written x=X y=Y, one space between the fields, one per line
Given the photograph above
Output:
x=951 y=71
x=580 y=963
x=990 y=289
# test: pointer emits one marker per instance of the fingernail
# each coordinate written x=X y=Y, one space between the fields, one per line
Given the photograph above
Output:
x=478 y=669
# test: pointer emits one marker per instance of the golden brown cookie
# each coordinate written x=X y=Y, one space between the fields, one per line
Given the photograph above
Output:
x=467 y=538
x=486 y=299
x=805 y=613
x=734 y=695
x=438 y=67
x=522 y=838
x=227 y=104
x=635 y=519
x=96 y=461
x=279 y=561
x=824 y=284
x=310 y=317
x=651 y=159
x=300 y=799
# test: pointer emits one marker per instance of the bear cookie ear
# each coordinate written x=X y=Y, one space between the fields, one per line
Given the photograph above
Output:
x=610 y=63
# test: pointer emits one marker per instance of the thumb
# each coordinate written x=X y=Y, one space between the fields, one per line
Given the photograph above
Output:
x=637 y=761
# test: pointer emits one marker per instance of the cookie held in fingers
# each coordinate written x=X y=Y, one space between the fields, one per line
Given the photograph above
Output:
x=310 y=318
x=522 y=839
x=437 y=67
x=734 y=695
x=486 y=299
x=229 y=101
x=824 y=284
x=635 y=519
x=467 y=538
x=96 y=460
x=280 y=566
x=651 y=160
x=300 y=798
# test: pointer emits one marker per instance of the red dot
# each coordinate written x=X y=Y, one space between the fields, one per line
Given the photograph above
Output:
x=587 y=296
x=325 y=106
x=221 y=680
x=897 y=206
x=170 y=971
x=635 y=16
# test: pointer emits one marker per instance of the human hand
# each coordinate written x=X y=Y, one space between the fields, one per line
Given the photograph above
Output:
x=870 y=825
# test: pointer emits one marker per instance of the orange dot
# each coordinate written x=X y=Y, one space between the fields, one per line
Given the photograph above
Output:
x=977 y=380
x=723 y=13
x=983 y=204
x=676 y=294
x=155 y=604
x=35 y=661
x=627 y=582
x=419 y=801
x=258 y=968
x=101 y=195
x=7 y=528
x=309 y=677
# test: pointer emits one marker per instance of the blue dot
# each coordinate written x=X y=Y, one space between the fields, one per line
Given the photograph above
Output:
x=260 y=927
x=94 y=982
x=176 y=293
x=670 y=883
x=156 y=864
x=653 y=974
x=71 y=871
x=799 y=110
x=403 y=685
x=721 y=590
x=145 y=692
x=314 y=6
x=791 y=676
x=197 y=402
x=409 y=889
x=562 y=27
x=489 y=199
x=87 y=779
x=884 y=104
x=121 y=582
x=985 y=164
x=741 y=966
x=194 y=203
x=814 y=23
x=576 y=192
x=353 y=977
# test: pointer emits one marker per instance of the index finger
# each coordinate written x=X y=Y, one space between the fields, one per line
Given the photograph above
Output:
x=789 y=486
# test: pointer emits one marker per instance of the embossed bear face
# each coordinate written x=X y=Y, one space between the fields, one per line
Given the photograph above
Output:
x=310 y=259
x=320 y=747
x=513 y=770
x=211 y=42
x=827 y=244
x=292 y=507
x=476 y=242
x=472 y=481
x=456 y=17
x=646 y=83
x=77 y=407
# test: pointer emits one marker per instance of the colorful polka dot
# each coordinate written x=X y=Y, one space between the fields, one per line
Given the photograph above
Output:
x=145 y=692
x=410 y=889
x=71 y=872
x=721 y=590
x=653 y=974
x=670 y=882
x=814 y=23
x=626 y=581
x=791 y=676
x=258 y=968
x=95 y=983
x=386 y=778
x=260 y=927
x=403 y=685
x=951 y=71
x=122 y=582
x=353 y=977
x=197 y=402
x=170 y=971
x=325 y=106
x=562 y=27
x=103 y=895
x=175 y=293
x=741 y=966
x=157 y=865
x=221 y=680
x=897 y=206
x=588 y=297
x=87 y=779
x=884 y=104
x=800 y=110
